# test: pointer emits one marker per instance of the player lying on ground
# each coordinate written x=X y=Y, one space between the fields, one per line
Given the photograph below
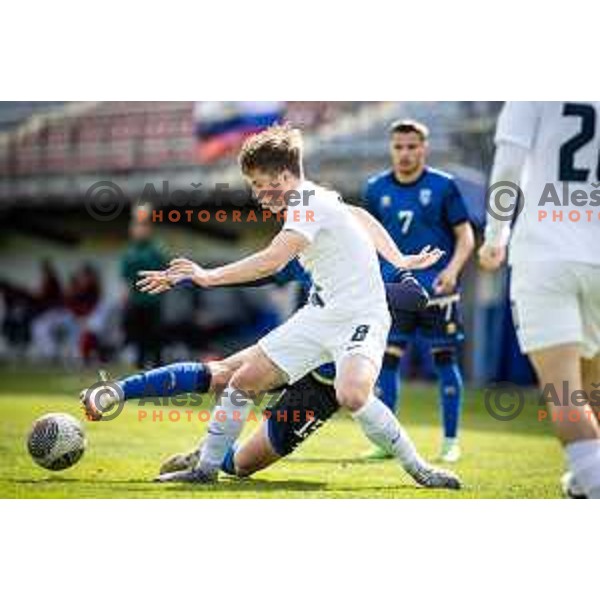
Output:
x=346 y=320
x=555 y=260
x=275 y=438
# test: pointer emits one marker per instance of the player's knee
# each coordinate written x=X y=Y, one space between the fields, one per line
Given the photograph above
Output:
x=446 y=364
x=244 y=468
x=246 y=379
x=445 y=357
x=392 y=357
x=220 y=375
x=352 y=393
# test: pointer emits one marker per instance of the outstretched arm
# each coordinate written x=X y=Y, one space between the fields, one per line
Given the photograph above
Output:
x=285 y=246
x=387 y=247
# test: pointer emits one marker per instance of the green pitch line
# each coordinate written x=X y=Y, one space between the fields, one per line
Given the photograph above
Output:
x=519 y=459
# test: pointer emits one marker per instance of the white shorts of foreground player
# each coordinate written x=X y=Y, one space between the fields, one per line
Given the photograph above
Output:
x=317 y=335
x=556 y=303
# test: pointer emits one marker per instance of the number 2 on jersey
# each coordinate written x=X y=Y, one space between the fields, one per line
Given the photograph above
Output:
x=567 y=170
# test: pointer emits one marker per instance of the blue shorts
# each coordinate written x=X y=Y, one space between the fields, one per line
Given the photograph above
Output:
x=440 y=324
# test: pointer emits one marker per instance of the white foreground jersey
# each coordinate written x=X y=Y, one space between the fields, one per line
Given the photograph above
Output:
x=348 y=313
x=560 y=181
x=341 y=258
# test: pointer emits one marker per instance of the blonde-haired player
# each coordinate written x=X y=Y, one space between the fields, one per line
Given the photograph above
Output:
x=346 y=320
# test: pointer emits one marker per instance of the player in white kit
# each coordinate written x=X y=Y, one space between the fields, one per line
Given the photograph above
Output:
x=346 y=320
x=553 y=150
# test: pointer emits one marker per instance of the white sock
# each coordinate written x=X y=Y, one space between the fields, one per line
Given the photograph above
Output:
x=382 y=428
x=226 y=423
x=584 y=459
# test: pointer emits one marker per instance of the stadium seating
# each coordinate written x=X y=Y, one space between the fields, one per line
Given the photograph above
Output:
x=108 y=137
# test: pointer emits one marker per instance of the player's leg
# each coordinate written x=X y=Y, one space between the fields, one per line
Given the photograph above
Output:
x=257 y=374
x=441 y=325
x=286 y=354
x=590 y=377
x=388 y=390
x=590 y=374
x=557 y=320
x=406 y=298
x=311 y=401
x=553 y=367
x=313 y=398
x=170 y=380
x=358 y=348
x=354 y=390
x=403 y=327
x=222 y=370
x=255 y=454
x=389 y=383
x=300 y=410
x=576 y=425
x=445 y=361
x=557 y=365
x=354 y=384
x=278 y=438
x=590 y=367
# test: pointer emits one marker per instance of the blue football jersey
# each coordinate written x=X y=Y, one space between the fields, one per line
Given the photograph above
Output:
x=416 y=215
x=293 y=271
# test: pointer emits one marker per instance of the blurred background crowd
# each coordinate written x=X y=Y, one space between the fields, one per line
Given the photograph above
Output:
x=69 y=257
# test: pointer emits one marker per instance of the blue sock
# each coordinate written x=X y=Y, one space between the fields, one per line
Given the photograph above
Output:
x=389 y=382
x=171 y=380
x=451 y=392
x=228 y=465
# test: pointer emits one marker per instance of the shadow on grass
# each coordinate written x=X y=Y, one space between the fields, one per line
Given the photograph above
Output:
x=333 y=461
x=71 y=480
x=226 y=484
x=417 y=491
x=252 y=485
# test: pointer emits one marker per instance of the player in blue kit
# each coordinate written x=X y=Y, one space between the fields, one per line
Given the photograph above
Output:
x=309 y=403
x=421 y=206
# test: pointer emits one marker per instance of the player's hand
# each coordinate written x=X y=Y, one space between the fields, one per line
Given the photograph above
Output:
x=445 y=282
x=181 y=269
x=425 y=259
x=491 y=258
x=153 y=282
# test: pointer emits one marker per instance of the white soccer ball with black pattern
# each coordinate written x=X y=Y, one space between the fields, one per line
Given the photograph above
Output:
x=56 y=441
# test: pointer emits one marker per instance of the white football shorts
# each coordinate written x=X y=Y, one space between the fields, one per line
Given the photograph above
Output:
x=557 y=303
x=316 y=335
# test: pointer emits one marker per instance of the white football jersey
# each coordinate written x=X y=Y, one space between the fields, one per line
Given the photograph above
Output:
x=560 y=180
x=341 y=258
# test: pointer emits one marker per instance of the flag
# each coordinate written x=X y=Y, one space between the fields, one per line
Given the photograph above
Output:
x=221 y=127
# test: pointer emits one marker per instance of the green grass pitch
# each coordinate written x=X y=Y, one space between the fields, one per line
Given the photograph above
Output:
x=518 y=459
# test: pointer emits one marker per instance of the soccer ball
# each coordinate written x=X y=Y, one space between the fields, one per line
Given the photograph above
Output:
x=56 y=441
